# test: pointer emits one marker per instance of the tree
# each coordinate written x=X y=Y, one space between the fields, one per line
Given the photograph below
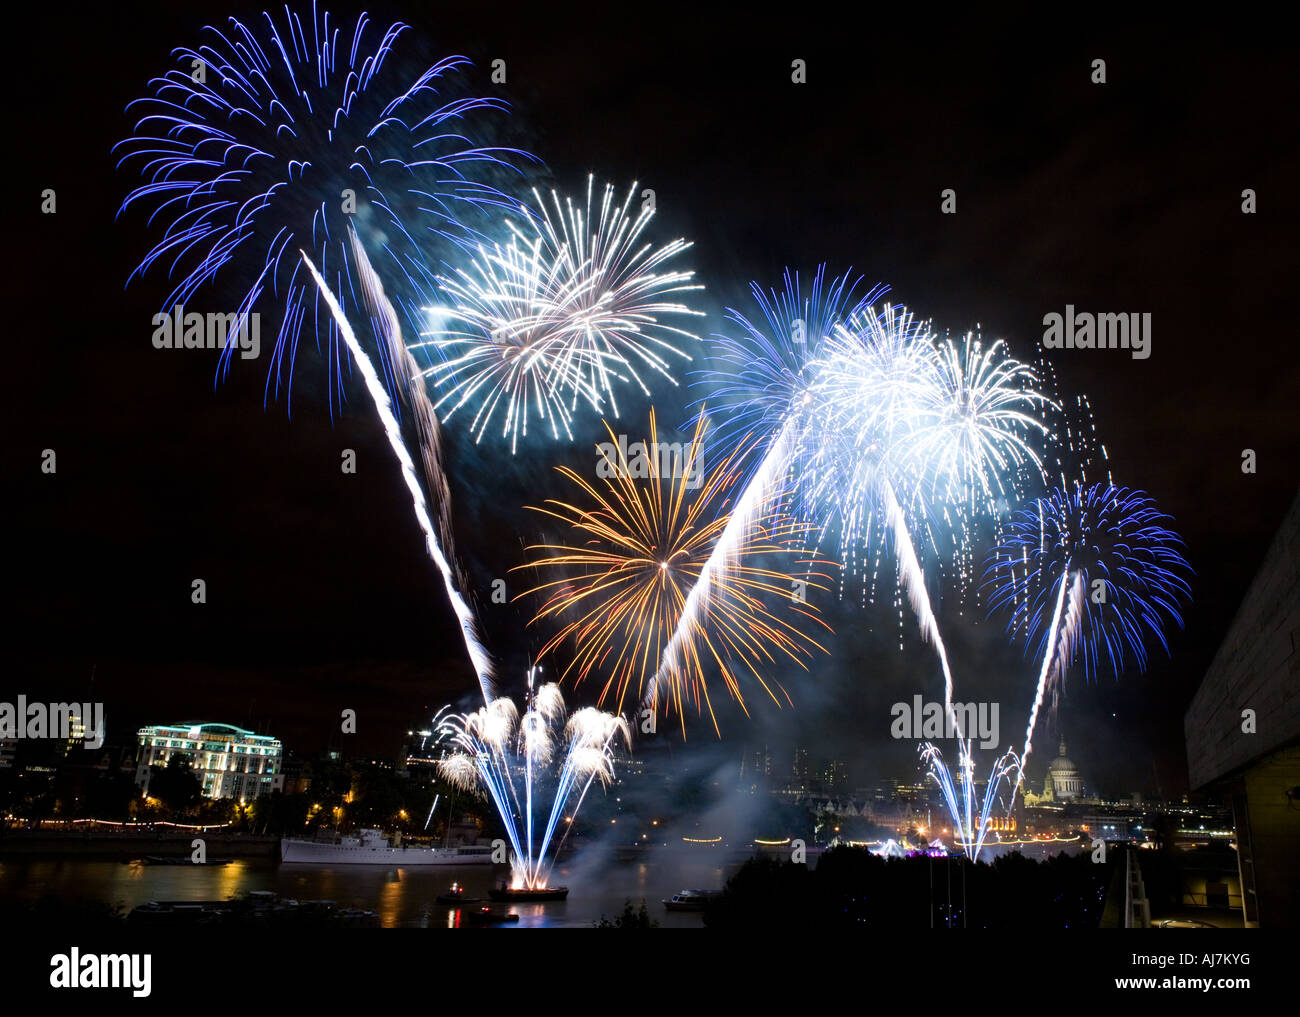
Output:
x=638 y=918
x=176 y=786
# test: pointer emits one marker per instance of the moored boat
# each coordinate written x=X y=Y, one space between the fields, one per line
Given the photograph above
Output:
x=688 y=900
x=455 y=895
x=371 y=847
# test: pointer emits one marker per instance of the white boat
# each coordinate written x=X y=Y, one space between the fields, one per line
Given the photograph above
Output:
x=371 y=847
x=689 y=900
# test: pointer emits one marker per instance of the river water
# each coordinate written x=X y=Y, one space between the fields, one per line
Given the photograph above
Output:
x=403 y=897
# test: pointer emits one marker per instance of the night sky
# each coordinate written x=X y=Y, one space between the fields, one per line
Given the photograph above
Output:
x=1117 y=197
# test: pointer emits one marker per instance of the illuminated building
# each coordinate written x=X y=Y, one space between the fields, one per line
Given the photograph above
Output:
x=228 y=761
x=835 y=776
x=1062 y=784
x=1063 y=781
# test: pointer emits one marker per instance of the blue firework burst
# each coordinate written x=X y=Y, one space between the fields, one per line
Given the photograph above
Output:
x=1116 y=545
x=274 y=136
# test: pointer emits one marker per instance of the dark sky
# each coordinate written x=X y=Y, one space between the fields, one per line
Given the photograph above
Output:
x=1122 y=197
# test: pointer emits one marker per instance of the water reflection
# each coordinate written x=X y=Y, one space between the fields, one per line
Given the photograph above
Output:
x=401 y=896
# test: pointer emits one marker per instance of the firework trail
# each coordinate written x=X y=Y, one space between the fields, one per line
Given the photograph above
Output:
x=868 y=395
x=496 y=750
x=561 y=313
x=640 y=545
x=275 y=136
x=950 y=427
x=763 y=384
x=478 y=655
x=720 y=567
x=906 y=418
x=410 y=388
x=1124 y=570
x=914 y=580
x=861 y=409
x=438 y=732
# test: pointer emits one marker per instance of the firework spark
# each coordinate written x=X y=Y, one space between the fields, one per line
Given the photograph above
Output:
x=763 y=384
x=978 y=428
x=565 y=310
x=949 y=428
x=641 y=543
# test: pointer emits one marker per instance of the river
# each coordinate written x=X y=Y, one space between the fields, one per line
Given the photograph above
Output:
x=403 y=897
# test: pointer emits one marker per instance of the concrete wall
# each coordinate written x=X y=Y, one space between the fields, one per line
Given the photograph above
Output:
x=1273 y=811
x=1257 y=667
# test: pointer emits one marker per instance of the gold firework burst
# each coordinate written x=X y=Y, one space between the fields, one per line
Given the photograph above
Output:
x=641 y=540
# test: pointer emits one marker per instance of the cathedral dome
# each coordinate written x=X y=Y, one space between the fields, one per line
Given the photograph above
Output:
x=1064 y=782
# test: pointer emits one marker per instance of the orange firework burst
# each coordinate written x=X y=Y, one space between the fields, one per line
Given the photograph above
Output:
x=641 y=543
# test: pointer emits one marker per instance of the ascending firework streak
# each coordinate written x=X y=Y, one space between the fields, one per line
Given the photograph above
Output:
x=1053 y=661
x=720 y=567
x=438 y=731
x=764 y=383
x=914 y=580
x=497 y=750
x=478 y=655
x=566 y=308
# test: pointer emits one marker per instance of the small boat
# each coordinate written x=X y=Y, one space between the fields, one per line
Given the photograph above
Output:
x=455 y=895
x=486 y=916
x=527 y=895
x=688 y=900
